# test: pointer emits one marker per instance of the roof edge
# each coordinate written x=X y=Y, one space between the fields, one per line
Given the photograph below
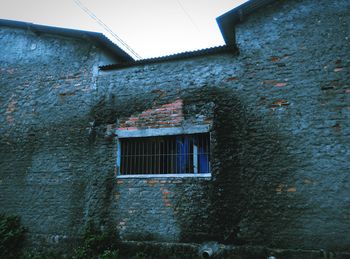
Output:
x=228 y=20
x=180 y=56
x=97 y=37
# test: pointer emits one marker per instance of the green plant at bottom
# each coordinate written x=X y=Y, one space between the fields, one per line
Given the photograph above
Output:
x=97 y=243
x=108 y=254
x=12 y=236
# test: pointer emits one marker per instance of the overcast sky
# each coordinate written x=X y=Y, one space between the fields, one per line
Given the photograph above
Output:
x=152 y=28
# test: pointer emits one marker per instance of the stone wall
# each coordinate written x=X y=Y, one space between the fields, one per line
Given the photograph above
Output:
x=279 y=133
x=47 y=176
x=280 y=127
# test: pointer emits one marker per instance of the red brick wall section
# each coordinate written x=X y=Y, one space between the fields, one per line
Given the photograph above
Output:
x=164 y=116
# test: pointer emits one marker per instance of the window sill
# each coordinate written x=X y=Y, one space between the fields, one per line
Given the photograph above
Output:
x=136 y=176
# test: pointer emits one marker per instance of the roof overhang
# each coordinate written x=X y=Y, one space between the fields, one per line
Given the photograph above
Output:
x=98 y=38
x=228 y=20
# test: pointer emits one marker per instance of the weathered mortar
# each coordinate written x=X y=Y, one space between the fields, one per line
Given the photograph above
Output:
x=280 y=114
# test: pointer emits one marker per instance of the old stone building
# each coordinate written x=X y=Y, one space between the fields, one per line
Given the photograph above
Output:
x=243 y=144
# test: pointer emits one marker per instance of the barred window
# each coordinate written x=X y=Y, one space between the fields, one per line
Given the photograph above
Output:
x=175 y=154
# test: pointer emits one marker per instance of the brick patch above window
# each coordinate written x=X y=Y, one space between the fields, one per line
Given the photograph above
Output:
x=164 y=116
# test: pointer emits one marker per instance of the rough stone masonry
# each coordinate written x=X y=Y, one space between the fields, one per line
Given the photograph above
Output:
x=279 y=115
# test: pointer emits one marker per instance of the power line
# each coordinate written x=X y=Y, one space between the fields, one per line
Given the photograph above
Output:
x=93 y=16
x=188 y=15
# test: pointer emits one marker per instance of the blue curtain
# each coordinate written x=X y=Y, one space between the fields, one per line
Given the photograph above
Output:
x=183 y=148
x=203 y=160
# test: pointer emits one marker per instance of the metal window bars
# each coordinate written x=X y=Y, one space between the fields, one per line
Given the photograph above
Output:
x=180 y=154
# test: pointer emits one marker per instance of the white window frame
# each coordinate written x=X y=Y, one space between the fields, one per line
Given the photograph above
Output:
x=159 y=132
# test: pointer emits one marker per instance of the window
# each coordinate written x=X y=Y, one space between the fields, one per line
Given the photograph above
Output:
x=181 y=154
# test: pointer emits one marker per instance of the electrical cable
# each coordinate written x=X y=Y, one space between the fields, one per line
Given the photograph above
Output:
x=188 y=15
x=101 y=23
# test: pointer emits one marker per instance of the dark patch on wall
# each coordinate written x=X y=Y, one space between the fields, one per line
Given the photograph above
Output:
x=248 y=166
x=248 y=158
x=246 y=161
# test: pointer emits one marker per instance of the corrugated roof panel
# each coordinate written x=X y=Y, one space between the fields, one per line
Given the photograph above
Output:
x=178 y=56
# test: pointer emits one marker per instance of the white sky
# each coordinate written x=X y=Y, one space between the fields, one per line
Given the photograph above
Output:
x=152 y=28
